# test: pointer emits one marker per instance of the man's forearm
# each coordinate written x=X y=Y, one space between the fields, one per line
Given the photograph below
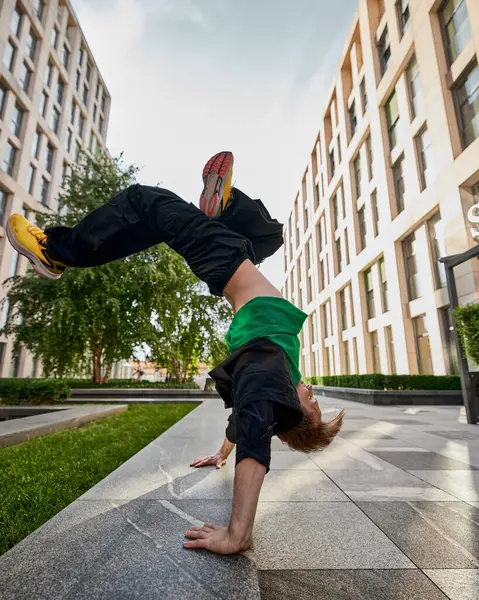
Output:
x=249 y=476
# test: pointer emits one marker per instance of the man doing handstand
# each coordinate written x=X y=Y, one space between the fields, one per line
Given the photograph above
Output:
x=221 y=243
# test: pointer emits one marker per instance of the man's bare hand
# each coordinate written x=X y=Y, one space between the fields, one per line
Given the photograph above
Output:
x=218 y=460
x=215 y=539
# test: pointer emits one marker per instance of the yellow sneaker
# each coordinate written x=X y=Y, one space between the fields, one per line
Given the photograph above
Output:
x=217 y=178
x=31 y=241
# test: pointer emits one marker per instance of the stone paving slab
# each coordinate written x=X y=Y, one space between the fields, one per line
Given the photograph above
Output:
x=16 y=431
x=362 y=520
x=361 y=584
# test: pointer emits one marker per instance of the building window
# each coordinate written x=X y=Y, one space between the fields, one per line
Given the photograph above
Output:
x=404 y=18
x=436 y=238
x=452 y=363
x=44 y=191
x=369 y=155
x=455 y=27
x=326 y=320
x=16 y=23
x=37 y=138
x=339 y=255
x=3 y=205
x=69 y=140
x=55 y=122
x=60 y=91
x=384 y=284
x=412 y=275
x=103 y=102
x=25 y=77
x=39 y=8
x=424 y=155
x=384 y=49
x=9 y=158
x=77 y=151
x=392 y=116
x=54 y=40
x=335 y=212
x=357 y=175
x=322 y=283
x=344 y=309
x=316 y=195
x=414 y=86
x=31 y=179
x=332 y=163
x=48 y=75
x=64 y=173
x=95 y=110
x=73 y=113
x=81 y=125
x=364 y=95
x=88 y=71
x=78 y=81
x=399 y=185
x=5 y=313
x=17 y=120
x=346 y=244
x=65 y=57
x=44 y=105
x=100 y=125
x=423 y=348
x=9 y=56
x=467 y=101
x=368 y=280
x=375 y=212
x=14 y=264
x=81 y=56
x=391 y=353
x=85 y=94
x=375 y=348
x=346 y=357
x=3 y=99
x=353 y=119
x=32 y=42
x=362 y=228
x=50 y=151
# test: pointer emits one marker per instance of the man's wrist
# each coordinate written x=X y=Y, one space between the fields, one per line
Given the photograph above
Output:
x=240 y=534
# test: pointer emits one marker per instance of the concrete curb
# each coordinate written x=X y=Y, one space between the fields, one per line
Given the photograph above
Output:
x=393 y=397
x=57 y=418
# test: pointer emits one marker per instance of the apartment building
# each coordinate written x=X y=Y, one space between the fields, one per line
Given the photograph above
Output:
x=392 y=173
x=53 y=104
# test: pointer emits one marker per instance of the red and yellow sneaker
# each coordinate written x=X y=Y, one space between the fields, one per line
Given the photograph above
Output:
x=217 y=176
x=31 y=241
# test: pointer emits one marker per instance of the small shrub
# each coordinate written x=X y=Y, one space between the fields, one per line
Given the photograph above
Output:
x=378 y=381
x=131 y=383
x=33 y=391
x=467 y=319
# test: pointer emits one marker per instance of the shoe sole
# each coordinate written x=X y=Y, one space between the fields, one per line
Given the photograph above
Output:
x=215 y=174
x=36 y=263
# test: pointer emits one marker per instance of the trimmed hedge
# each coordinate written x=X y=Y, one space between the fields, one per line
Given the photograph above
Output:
x=377 y=381
x=130 y=383
x=33 y=391
x=467 y=319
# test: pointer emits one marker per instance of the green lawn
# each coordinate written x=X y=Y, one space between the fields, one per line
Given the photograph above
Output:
x=39 y=478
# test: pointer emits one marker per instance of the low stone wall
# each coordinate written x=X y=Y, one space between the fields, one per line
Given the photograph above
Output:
x=85 y=393
x=393 y=397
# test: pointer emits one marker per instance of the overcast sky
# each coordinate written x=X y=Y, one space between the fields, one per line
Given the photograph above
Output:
x=191 y=77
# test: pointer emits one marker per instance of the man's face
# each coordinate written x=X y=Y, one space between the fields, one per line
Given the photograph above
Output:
x=308 y=402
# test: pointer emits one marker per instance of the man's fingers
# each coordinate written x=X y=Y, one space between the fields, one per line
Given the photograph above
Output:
x=221 y=463
x=195 y=544
x=197 y=535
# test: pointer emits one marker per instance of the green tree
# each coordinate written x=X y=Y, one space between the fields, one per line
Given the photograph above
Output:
x=92 y=318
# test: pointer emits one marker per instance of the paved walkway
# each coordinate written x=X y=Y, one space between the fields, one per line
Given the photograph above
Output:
x=390 y=511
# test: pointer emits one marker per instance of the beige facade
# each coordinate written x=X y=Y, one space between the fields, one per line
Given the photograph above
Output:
x=53 y=102
x=391 y=177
